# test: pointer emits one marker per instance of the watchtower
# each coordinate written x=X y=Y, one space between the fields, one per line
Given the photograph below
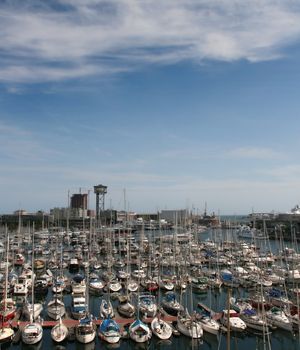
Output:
x=100 y=192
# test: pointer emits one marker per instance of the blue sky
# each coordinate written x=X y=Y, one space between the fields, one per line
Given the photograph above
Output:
x=178 y=102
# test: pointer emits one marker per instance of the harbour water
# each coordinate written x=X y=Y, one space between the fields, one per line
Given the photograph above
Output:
x=216 y=299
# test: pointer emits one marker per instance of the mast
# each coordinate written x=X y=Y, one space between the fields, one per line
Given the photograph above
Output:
x=6 y=274
x=87 y=299
x=32 y=275
x=228 y=319
x=68 y=213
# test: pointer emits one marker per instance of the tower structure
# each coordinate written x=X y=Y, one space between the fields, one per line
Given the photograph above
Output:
x=100 y=192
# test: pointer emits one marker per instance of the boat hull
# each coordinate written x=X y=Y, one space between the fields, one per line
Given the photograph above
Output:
x=59 y=333
x=6 y=334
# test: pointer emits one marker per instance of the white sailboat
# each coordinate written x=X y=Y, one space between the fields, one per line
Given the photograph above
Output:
x=231 y=318
x=56 y=308
x=59 y=332
x=32 y=333
x=209 y=325
x=139 y=331
x=115 y=286
x=125 y=307
x=161 y=328
x=32 y=311
x=95 y=285
x=189 y=326
x=85 y=331
x=6 y=332
x=165 y=284
x=278 y=318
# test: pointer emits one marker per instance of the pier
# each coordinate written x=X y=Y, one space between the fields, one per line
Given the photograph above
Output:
x=70 y=323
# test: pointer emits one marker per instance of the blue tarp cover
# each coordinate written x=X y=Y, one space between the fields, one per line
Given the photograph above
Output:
x=249 y=312
x=109 y=324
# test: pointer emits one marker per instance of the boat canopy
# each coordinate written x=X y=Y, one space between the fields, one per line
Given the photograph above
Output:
x=78 y=278
x=138 y=324
x=109 y=324
x=249 y=312
x=275 y=293
x=170 y=296
x=85 y=321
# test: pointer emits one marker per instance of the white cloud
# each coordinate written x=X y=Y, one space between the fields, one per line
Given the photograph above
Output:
x=219 y=153
x=43 y=42
x=254 y=153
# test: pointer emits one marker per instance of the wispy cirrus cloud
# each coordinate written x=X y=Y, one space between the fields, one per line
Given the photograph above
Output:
x=63 y=39
x=215 y=152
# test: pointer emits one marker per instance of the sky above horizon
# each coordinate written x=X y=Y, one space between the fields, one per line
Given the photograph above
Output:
x=179 y=102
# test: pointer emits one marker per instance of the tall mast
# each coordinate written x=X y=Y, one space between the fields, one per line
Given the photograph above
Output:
x=228 y=318
x=68 y=213
x=32 y=275
x=6 y=272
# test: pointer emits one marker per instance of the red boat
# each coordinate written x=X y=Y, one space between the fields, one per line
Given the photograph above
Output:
x=8 y=311
x=20 y=259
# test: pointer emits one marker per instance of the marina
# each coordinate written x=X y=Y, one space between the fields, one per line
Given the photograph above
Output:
x=168 y=280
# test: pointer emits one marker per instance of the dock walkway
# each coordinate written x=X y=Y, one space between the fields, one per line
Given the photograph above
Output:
x=68 y=322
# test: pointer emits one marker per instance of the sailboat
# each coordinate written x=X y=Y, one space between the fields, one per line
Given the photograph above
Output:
x=189 y=326
x=56 y=308
x=162 y=329
x=209 y=325
x=7 y=305
x=95 y=285
x=131 y=285
x=230 y=318
x=249 y=315
x=85 y=331
x=125 y=307
x=139 y=331
x=106 y=309
x=79 y=297
x=59 y=332
x=147 y=305
x=32 y=311
x=109 y=331
x=6 y=332
x=277 y=317
x=32 y=333
x=170 y=304
x=115 y=286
